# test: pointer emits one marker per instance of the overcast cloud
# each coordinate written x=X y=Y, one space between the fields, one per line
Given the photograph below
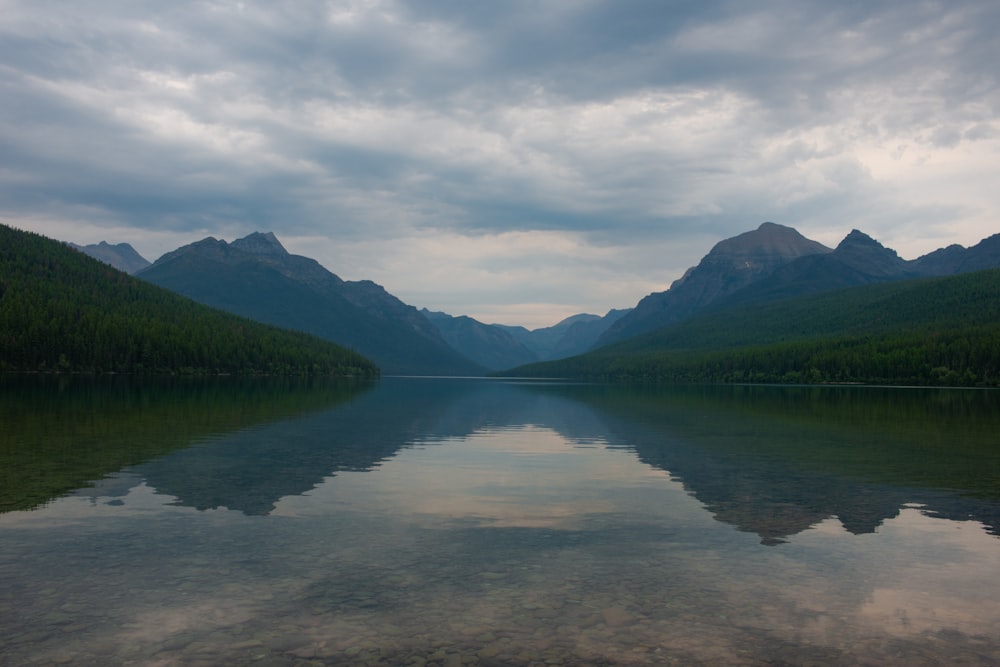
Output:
x=515 y=161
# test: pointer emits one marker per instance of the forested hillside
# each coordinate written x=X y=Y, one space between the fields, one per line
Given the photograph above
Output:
x=943 y=331
x=61 y=311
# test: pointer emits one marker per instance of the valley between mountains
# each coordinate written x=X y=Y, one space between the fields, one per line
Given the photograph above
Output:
x=768 y=305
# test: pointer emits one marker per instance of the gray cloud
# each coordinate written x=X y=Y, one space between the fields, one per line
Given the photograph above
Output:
x=636 y=132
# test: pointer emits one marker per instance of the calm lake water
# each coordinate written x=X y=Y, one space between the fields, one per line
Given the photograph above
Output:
x=477 y=522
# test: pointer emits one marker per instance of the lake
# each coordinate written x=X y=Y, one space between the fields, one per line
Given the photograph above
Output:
x=456 y=522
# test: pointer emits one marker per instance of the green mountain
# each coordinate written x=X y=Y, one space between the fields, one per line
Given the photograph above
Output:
x=920 y=332
x=63 y=311
x=257 y=278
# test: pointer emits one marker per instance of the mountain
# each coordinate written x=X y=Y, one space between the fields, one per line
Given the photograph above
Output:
x=121 y=256
x=574 y=335
x=583 y=332
x=857 y=260
x=957 y=259
x=860 y=260
x=731 y=265
x=776 y=262
x=498 y=346
x=925 y=331
x=984 y=255
x=489 y=345
x=62 y=311
x=868 y=257
x=257 y=278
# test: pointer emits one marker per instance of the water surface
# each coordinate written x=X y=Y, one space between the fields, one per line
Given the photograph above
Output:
x=472 y=522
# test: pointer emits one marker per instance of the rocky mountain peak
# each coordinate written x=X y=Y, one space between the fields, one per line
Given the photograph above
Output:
x=863 y=253
x=770 y=240
x=736 y=261
x=259 y=243
x=728 y=267
x=860 y=239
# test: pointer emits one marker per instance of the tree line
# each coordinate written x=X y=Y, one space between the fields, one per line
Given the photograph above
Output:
x=943 y=358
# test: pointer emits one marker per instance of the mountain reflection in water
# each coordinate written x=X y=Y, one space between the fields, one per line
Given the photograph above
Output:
x=777 y=460
x=767 y=460
x=452 y=522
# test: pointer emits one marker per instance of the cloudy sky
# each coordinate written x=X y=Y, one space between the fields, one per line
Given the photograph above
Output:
x=517 y=161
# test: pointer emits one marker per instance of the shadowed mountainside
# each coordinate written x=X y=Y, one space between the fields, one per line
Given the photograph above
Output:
x=257 y=278
x=775 y=262
x=62 y=311
x=927 y=331
x=731 y=265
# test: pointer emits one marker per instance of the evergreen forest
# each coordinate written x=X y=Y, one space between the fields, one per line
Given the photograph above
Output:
x=64 y=312
x=931 y=332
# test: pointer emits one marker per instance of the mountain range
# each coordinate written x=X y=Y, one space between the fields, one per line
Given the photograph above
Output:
x=256 y=277
x=574 y=335
x=64 y=312
x=775 y=262
x=499 y=346
x=921 y=332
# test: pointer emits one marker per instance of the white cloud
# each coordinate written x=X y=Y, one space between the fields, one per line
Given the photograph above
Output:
x=508 y=278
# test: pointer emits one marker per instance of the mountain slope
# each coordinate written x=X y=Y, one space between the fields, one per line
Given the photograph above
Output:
x=957 y=259
x=582 y=334
x=924 y=331
x=731 y=265
x=121 y=256
x=498 y=346
x=257 y=278
x=857 y=260
x=762 y=266
x=574 y=335
x=489 y=345
x=63 y=311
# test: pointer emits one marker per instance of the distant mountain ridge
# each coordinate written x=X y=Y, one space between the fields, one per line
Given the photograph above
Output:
x=122 y=256
x=257 y=278
x=499 y=346
x=957 y=259
x=574 y=335
x=489 y=345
